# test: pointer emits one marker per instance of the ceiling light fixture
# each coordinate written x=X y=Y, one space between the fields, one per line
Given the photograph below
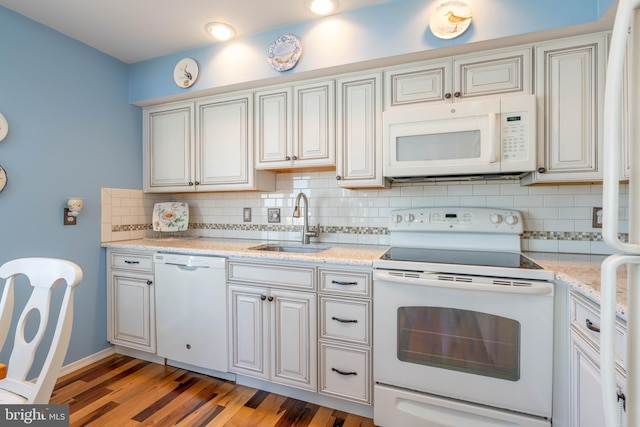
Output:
x=322 y=7
x=220 y=30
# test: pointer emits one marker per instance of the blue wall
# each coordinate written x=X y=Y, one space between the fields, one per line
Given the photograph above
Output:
x=71 y=132
x=398 y=27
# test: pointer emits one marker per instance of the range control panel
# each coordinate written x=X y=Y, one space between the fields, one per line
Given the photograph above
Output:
x=463 y=219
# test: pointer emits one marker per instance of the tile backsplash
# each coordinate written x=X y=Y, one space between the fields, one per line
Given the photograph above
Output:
x=556 y=218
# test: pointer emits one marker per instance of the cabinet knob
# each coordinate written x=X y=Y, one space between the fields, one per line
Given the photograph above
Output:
x=263 y=297
x=542 y=170
x=447 y=95
x=622 y=397
x=295 y=157
x=197 y=182
x=457 y=94
x=188 y=346
x=270 y=298
x=149 y=282
x=338 y=178
x=190 y=184
x=287 y=158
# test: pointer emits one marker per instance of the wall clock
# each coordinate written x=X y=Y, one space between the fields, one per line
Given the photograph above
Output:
x=185 y=73
x=3 y=178
x=4 y=127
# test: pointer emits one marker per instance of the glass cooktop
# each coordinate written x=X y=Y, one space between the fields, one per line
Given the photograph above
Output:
x=461 y=257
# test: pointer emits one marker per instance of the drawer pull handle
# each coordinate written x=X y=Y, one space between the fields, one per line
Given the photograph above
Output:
x=622 y=397
x=337 y=282
x=344 y=320
x=343 y=372
x=126 y=261
x=591 y=326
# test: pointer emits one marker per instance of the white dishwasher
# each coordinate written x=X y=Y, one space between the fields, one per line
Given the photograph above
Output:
x=191 y=310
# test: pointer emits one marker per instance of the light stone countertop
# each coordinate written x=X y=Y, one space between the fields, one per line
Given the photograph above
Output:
x=580 y=272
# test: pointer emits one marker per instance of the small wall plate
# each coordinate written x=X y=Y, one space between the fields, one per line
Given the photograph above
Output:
x=185 y=73
x=246 y=214
x=274 y=214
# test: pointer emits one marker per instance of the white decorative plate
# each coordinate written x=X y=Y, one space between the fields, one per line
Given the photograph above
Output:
x=3 y=178
x=186 y=72
x=170 y=216
x=450 y=19
x=284 y=52
x=4 y=127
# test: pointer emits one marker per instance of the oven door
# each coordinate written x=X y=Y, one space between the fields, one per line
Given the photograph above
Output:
x=482 y=343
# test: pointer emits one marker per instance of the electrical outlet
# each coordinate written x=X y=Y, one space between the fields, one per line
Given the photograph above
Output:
x=68 y=220
x=596 y=218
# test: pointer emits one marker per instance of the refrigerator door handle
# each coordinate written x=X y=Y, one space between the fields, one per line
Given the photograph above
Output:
x=608 y=332
x=613 y=127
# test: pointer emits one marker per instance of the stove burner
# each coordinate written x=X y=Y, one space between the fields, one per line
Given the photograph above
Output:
x=461 y=257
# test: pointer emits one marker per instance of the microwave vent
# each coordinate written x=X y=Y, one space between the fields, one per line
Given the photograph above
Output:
x=458 y=178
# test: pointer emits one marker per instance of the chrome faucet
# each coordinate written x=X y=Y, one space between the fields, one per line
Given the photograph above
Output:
x=306 y=232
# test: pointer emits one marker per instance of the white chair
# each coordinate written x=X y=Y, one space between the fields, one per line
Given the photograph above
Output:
x=44 y=274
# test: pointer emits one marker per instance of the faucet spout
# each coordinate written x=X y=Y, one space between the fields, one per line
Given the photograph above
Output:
x=306 y=232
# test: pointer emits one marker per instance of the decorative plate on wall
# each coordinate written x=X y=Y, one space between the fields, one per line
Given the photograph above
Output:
x=4 y=127
x=186 y=72
x=450 y=19
x=170 y=216
x=284 y=52
x=3 y=178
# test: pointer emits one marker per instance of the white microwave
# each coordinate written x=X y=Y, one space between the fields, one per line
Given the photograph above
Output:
x=489 y=137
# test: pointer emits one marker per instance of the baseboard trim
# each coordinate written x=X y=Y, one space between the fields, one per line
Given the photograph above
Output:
x=79 y=364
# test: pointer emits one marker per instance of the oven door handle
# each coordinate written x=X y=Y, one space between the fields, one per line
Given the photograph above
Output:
x=541 y=289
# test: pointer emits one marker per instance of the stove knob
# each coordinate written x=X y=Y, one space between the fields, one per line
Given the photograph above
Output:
x=396 y=219
x=409 y=217
x=511 y=219
x=495 y=218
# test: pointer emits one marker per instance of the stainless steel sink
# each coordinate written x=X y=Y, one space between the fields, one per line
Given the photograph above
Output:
x=290 y=247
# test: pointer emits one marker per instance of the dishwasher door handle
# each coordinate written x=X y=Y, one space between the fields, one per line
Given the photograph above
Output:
x=187 y=267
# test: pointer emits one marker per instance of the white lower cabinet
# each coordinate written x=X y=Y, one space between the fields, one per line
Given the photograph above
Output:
x=131 y=300
x=272 y=330
x=345 y=334
x=586 y=389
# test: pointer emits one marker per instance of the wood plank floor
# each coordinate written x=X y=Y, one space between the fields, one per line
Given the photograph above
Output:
x=123 y=391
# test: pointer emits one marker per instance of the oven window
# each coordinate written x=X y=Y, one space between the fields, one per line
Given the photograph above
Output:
x=460 y=340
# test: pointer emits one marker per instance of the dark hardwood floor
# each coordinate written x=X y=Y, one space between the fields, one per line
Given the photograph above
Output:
x=124 y=391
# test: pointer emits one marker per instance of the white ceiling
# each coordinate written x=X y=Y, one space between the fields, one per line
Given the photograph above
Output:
x=135 y=30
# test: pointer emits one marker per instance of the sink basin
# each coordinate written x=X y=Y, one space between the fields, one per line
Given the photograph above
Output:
x=291 y=247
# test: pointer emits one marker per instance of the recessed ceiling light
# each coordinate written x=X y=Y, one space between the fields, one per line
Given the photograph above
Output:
x=220 y=30
x=322 y=7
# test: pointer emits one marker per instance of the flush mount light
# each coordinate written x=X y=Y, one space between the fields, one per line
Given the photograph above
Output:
x=322 y=7
x=220 y=30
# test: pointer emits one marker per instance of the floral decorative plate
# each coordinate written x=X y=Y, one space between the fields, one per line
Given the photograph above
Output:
x=450 y=19
x=284 y=52
x=186 y=72
x=170 y=216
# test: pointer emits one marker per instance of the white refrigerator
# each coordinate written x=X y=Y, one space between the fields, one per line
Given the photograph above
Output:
x=622 y=123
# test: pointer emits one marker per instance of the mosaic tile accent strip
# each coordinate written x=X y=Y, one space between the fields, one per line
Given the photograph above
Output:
x=578 y=236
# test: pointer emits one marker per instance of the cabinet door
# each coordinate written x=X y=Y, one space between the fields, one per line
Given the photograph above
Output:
x=497 y=74
x=421 y=83
x=586 y=390
x=359 y=160
x=293 y=339
x=133 y=316
x=274 y=128
x=314 y=124
x=168 y=148
x=224 y=143
x=248 y=328
x=570 y=86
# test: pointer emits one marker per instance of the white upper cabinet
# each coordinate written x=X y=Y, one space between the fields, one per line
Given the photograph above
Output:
x=570 y=76
x=213 y=152
x=295 y=126
x=359 y=131
x=495 y=73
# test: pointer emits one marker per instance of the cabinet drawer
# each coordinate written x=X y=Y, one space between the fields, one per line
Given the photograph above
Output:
x=345 y=372
x=348 y=320
x=585 y=317
x=345 y=282
x=272 y=275
x=142 y=262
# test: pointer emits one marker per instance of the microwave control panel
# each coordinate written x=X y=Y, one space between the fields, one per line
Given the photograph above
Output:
x=514 y=136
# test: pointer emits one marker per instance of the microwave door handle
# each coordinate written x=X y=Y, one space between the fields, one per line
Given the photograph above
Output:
x=493 y=142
